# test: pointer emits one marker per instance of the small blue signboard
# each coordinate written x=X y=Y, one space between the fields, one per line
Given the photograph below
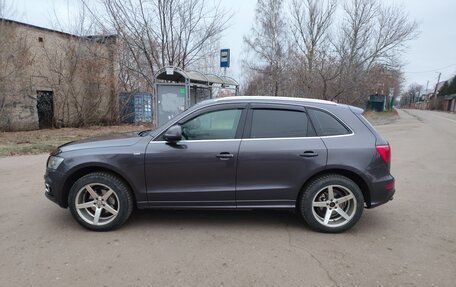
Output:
x=224 y=58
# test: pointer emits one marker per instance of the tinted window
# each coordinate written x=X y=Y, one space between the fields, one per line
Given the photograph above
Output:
x=213 y=125
x=326 y=124
x=268 y=123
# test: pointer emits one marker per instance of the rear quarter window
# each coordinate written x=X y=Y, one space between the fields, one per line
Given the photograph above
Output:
x=326 y=124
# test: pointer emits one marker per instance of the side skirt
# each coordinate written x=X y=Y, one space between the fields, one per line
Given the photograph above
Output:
x=214 y=205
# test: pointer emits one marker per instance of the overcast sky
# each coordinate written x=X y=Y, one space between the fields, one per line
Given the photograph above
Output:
x=434 y=51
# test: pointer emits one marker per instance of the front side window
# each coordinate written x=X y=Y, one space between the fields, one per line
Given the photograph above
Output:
x=327 y=125
x=270 y=123
x=212 y=125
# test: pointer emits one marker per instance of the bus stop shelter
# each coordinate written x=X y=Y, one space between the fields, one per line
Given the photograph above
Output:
x=176 y=90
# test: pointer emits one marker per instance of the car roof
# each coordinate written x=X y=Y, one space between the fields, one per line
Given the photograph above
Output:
x=269 y=99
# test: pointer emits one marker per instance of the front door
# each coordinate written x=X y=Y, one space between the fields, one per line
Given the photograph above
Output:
x=199 y=170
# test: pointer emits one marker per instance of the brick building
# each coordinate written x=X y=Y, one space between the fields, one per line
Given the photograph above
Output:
x=53 y=79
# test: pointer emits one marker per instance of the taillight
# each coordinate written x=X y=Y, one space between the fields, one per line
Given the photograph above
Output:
x=390 y=185
x=384 y=151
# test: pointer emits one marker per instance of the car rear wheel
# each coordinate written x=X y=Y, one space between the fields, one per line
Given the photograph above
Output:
x=100 y=201
x=331 y=203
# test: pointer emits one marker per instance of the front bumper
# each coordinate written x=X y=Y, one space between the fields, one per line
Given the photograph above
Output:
x=53 y=188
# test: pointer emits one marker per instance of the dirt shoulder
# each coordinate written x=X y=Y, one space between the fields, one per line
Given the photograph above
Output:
x=45 y=140
x=381 y=118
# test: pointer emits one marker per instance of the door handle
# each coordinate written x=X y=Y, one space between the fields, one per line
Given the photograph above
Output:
x=308 y=153
x=225 y=155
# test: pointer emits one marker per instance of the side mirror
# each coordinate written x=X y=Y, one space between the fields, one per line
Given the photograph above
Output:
x=173 y=134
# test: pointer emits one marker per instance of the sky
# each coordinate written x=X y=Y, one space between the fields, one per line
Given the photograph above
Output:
x=432 y=52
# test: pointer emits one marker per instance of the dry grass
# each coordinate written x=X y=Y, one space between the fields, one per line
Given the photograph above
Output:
x=45 y=140
x=381 y=118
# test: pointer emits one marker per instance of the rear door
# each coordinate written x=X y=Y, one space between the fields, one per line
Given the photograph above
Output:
x=278 y=152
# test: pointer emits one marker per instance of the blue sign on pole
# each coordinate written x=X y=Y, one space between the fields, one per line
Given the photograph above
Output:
x=224 y=58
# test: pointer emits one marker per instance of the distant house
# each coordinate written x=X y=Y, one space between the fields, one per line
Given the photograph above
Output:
x=49 y=78
x=439 y=86
x=449 y=103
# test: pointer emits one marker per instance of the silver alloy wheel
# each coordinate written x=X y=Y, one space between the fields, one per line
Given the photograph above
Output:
x=334 y=205
x=97 y=204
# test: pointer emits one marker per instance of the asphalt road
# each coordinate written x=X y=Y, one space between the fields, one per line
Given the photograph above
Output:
x=409 y=242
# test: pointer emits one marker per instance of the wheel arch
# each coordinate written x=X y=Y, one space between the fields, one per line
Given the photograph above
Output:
x=76 y=174
x=365 y=189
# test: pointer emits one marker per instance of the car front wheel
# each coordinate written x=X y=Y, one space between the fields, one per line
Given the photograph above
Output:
x=100 y=201
x=331 y=203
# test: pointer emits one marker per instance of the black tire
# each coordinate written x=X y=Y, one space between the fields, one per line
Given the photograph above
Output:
x=112 y=207
x=331 y=215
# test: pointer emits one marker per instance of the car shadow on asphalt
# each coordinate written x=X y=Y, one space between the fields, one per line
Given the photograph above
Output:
x=371 y=221
x=208 y=218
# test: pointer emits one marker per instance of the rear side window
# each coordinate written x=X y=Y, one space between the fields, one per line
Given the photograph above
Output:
x=326 y=124
x=271 y=123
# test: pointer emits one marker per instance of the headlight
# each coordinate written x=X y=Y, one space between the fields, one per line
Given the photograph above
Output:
x=54 y=162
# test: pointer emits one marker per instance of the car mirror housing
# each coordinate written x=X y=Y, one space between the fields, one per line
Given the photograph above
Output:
x=173 y=134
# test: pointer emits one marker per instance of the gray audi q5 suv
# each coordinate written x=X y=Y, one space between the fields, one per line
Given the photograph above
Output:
x=320 y=158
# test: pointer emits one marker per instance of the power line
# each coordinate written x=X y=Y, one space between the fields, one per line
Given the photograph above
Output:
x=430 y=71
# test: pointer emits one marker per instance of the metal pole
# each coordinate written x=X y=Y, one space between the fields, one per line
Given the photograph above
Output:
x=426 y=100
x=435 y=91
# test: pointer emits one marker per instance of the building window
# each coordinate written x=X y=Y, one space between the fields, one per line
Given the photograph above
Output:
x=40 y=39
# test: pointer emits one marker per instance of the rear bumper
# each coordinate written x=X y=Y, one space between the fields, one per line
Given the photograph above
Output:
x=382 y=192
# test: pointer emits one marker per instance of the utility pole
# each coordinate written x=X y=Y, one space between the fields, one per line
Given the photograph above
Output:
x=426 y=97
x=435 y=91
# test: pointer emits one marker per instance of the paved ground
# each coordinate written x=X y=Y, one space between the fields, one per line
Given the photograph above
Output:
x=409 y=242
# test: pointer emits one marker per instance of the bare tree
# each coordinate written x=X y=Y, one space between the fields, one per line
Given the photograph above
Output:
x=268 y=44
x=384 y=80
x=154 y=34
x=411 y=95
x=311 y=21
x=81 y=73
x=209 y=62
x=371 y=33
x=340 y=61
